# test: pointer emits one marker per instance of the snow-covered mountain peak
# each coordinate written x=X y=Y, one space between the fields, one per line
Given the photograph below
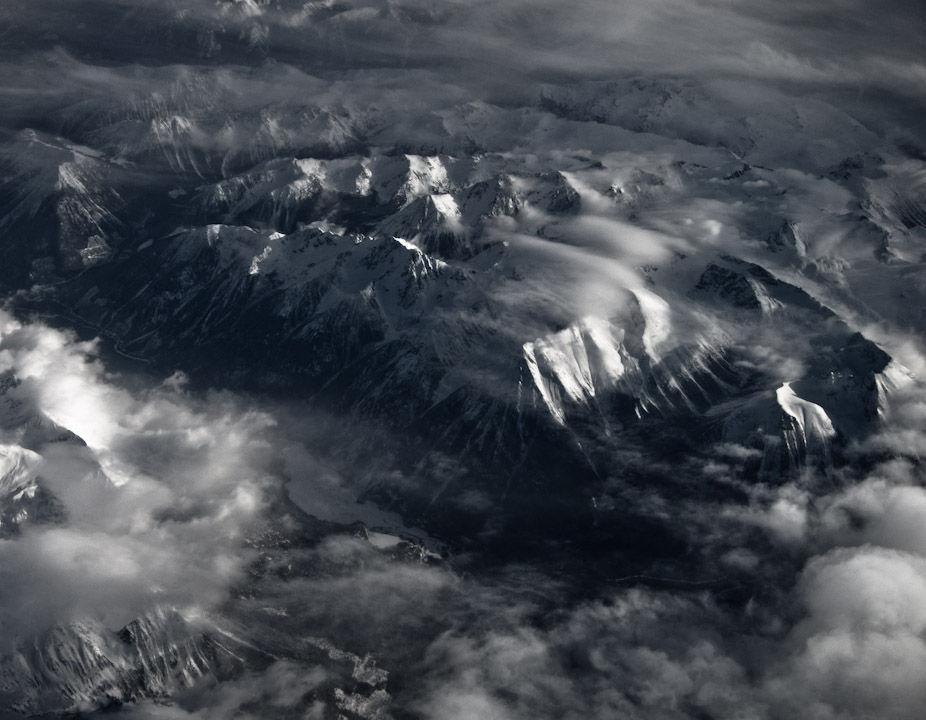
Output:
x=812 y=421
x=17 y=467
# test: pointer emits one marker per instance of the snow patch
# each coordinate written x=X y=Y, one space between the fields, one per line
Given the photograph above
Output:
x=811 y=418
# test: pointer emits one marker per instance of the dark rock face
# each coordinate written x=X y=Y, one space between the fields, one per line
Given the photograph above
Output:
x=787 y=238
x=730 y=286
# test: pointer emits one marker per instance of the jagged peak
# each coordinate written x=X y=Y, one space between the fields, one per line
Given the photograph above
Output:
x=788 y=237
x=17 y=466
x=789 y=431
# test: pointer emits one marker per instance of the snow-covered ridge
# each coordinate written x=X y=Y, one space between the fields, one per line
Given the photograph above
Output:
x=82 y=666
x=17 y=467
x=790 y=433
x=440 y=203
x=685 y=109
x=632 y=356
x=573 y=364
x=812 y=421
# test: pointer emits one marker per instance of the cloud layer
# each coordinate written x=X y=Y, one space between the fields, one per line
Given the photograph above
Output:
x=157 y=501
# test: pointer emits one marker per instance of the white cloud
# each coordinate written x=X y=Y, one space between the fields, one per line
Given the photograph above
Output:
x=157 y=503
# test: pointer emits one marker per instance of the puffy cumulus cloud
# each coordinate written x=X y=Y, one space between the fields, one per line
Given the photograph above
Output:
x=357 y=596
x=735 y=451
x=845 y=642
x=879 y=512
x=905 y=434
x=850 y=639
x=612 y=658
x=783 y=513
x=156 y=500
x=860 y=651
x=868 y=588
